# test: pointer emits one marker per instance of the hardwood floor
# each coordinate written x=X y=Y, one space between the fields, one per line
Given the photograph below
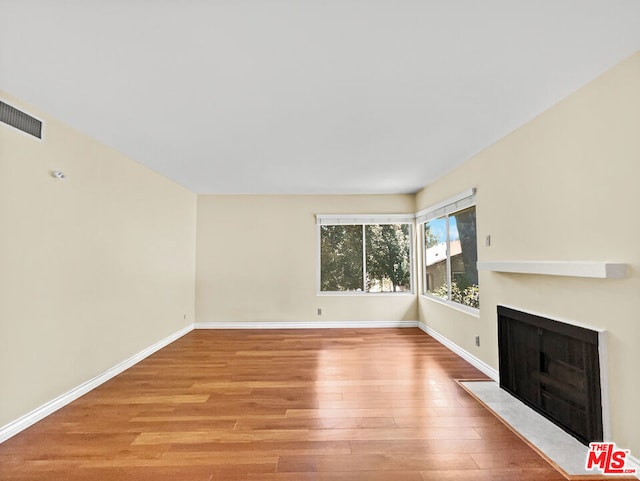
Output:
x=282 y=405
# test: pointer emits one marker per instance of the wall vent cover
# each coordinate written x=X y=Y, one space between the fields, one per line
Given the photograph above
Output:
x=20 y=120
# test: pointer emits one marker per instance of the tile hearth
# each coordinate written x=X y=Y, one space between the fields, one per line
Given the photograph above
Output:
x=558 y=446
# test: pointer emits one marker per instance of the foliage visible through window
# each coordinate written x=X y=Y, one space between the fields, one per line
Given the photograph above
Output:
x=451 y=254
x=365 y=258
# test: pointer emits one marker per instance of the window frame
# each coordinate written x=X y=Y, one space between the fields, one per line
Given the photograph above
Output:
x=446 y=208
x=364 y=220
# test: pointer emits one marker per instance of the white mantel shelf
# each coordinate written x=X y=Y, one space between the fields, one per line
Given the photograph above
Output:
x=598 y=270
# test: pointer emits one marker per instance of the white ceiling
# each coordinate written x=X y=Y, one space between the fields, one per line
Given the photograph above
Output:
x=305 y=96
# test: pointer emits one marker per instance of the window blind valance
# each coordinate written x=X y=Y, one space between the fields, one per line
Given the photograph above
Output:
x=358 y=219
x=449 y=206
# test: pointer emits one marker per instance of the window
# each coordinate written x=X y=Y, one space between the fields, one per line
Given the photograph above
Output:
x=451 y=250
x=341 y=258
x=365 y=256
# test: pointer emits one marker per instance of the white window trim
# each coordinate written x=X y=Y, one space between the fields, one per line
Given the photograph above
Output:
x=454 y=305
x=447 y=207
x=365 y=219
x=364 y=294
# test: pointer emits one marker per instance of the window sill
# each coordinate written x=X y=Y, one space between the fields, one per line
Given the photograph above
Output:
x=366 y=294
x=472 y=311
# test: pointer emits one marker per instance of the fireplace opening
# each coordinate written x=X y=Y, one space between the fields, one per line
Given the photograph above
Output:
x=553 y=367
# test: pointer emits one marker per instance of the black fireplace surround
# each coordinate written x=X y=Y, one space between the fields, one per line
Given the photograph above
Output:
x=553 y=367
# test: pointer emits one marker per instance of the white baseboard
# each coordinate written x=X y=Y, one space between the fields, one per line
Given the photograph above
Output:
x=41 y=412
x=482 y=366
x=485 y=368
x=304 y=324
x=633 y=463
x=50 y=407
x=467 y=356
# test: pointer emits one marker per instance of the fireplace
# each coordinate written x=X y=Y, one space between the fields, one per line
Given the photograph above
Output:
x=553 y=367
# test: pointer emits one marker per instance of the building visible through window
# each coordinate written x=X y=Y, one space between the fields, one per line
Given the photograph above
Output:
x=451 y=254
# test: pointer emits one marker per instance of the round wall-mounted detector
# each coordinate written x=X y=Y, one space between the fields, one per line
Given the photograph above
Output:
x=58 y=175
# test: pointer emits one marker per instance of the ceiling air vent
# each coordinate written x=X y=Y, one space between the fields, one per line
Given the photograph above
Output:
x=19 y=120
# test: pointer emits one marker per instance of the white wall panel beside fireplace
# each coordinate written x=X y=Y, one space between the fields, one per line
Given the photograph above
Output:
x=599 y=270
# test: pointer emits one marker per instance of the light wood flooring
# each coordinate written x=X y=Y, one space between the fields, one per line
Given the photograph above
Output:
x=282 y=405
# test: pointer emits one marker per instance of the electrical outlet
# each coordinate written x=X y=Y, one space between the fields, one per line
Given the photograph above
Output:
x=319 y=311
x=478 y=341
x=487 y=240
x=184 y=316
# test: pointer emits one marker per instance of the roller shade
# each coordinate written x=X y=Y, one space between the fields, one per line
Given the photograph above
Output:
x=359 y=219
x=453 y=204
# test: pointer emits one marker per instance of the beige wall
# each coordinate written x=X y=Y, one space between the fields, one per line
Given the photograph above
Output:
x=257 y=260
x=565 y=186
x=93 y=269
